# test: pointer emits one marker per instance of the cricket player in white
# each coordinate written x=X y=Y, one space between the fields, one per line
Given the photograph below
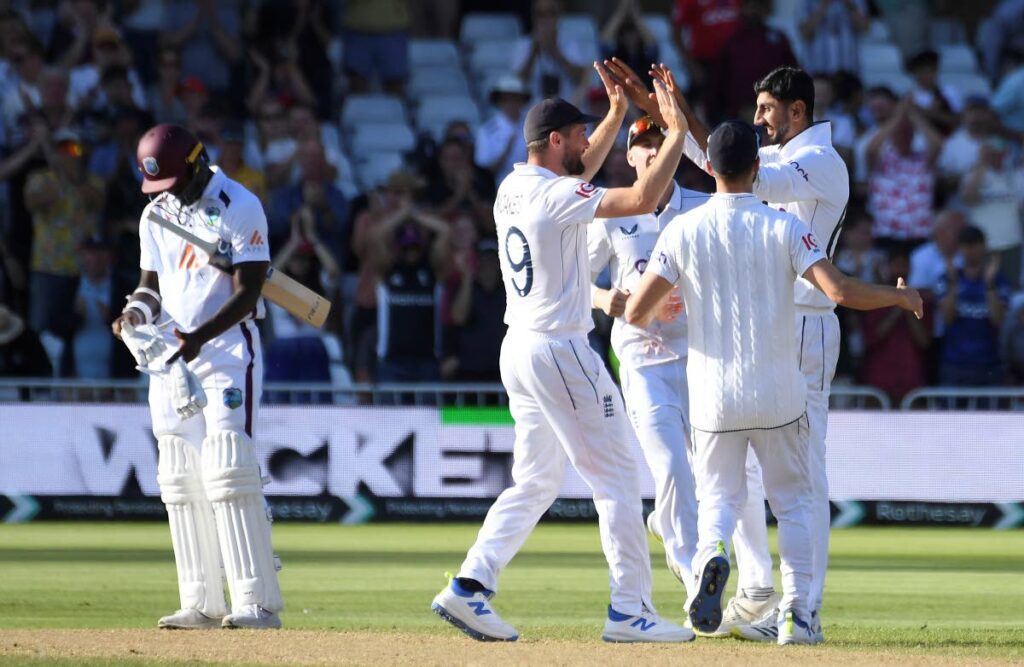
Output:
x=736 y=259
x=652 y=361
x=564 y=403
x=801 y=173
x=208 y=471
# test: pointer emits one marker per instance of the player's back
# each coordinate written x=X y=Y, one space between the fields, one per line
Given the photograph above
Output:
x=541 y=223
x=739 y=259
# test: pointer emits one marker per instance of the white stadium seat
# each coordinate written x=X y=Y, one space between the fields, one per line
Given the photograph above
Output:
x=966 y=83
x=876 y=57
x=443 y=80
x=436 y=111
x=660 y=27
x=391 y=137
x=433 y=53
x=957 y=59
x=371 y=108
x=580 y=27
x=897 y=82
x=375 y=168
x=484 y=26
x=493 y=55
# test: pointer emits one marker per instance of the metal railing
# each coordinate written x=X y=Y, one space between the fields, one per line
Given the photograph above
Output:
x=48 y=390
x=1002 y=399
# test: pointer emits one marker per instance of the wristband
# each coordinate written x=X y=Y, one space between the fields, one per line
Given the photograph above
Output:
x=142 y=307
x=146 y=290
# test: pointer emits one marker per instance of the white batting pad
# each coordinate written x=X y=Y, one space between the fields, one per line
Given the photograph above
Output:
x=193 y=531
x=231 y=476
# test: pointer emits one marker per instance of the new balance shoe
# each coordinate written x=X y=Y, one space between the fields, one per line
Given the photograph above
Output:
x=253 y=617
x=793 y=629
x=647 y=627
x=189 y=619
x=705 y=608
x=741 y=611
x=471 y=612
x=819 y=633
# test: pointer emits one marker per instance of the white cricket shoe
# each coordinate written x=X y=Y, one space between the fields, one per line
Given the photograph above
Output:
x=794 y=630
x=741 y=611
x=647 y=627
x=253 y=617
x=472 y=613
x=819 y=633
x=673 y=567
x=765 y=629
x=705 y=607
x=189 y=619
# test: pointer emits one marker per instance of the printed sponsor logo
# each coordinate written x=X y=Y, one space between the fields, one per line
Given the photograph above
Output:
x=630 y=231
x=256 y=239
x=188 y=260
x=800 y=170
x=149 y=164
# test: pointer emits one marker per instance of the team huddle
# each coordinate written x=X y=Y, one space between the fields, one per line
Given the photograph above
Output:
x=732 y=294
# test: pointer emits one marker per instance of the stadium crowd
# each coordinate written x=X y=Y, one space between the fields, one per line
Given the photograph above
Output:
x=375 y=133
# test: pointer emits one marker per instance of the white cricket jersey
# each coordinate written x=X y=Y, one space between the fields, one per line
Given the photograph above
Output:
x=805 y=177
x=190 y=293
x=541 y=220
x=735 y=260
x=625 y=245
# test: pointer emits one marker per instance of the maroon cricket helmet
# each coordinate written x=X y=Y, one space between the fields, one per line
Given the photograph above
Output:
x=166 y=153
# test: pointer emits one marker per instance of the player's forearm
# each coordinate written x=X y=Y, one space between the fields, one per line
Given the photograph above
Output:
x=656 y=180
x=852 y=293
x=601 y=142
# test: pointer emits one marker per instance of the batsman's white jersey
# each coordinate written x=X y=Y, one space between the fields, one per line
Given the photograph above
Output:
x=208 y=468
x=808 y=178
x=565 y=405
x=735 y=260
x=652 y=374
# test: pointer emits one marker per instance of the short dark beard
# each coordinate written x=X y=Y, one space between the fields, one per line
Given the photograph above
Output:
x=780 y=135
x=573 y=165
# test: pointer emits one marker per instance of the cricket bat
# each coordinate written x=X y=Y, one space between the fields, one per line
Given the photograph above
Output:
x=279 y=288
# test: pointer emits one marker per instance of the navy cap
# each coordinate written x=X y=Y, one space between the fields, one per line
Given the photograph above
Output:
x=550 y=115
x=732 y=147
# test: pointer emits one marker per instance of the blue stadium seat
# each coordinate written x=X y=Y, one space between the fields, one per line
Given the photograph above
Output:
x=436 y=80
x=480 y=27
x=433 y=52
x=371 y=108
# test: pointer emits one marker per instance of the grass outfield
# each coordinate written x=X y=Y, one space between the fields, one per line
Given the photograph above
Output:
x=947 y=596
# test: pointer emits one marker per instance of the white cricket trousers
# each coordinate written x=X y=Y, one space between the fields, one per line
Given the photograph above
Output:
x=718 y=463
x=658 y=404
x=565 y=406
x=818 y=334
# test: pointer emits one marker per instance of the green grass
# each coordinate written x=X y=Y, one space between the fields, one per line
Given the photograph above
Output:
x=944 y=591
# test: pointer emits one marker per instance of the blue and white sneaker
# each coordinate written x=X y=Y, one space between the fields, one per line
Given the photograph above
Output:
x=819 y=633
x=471 y=612
x=647 y=627
x=793 y=629
x=705 y=608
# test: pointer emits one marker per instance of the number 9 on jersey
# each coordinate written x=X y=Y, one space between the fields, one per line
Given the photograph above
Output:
x=517 y=251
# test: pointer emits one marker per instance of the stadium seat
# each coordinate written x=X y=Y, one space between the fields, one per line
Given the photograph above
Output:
x=897 y=82
x=375 y=168
x=582 y=29
x=371 y=108
x=878 y=32
x=957 y=59
x=875 y=57
x=966 y=83
x=480 y=27
x=786 y=8
x=492 y=55
x=668 y=54
x=437 y=111
x=433 y=53
x=438 y=80
x=369 y=137
x=660 y=27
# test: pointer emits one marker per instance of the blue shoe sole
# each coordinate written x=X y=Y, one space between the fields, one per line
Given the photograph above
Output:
x=706 y=609
x=475 y=634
